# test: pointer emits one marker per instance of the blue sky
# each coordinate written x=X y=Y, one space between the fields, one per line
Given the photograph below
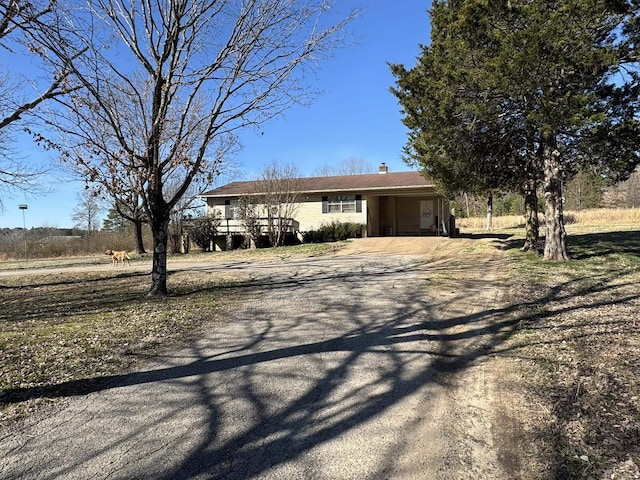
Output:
x=356 y=116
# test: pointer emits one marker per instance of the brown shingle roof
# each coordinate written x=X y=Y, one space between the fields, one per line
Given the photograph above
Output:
x=347 y=183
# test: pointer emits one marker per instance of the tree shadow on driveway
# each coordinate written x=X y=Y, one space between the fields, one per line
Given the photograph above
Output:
x=325 y=353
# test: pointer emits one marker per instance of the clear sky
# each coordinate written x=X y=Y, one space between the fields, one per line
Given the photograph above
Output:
x=356 y=116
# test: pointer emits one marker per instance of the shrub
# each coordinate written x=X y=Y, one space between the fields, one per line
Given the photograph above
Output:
x=203 y=231
x=570 y=218
x=333 y=232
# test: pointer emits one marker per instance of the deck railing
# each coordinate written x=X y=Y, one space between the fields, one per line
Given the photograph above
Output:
x=235 y=226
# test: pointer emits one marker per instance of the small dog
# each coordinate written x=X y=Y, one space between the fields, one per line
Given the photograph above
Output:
x=118 y=257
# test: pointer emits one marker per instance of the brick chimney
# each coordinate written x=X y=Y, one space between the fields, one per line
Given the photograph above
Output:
x=383 y=168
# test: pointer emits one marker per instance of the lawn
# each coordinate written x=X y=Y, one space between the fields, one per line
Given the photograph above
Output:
x=58 y=329
x=61 y=333
x=577 y=353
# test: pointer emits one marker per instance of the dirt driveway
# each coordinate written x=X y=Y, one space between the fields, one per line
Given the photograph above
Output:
x=396 y=246
x=351 y=366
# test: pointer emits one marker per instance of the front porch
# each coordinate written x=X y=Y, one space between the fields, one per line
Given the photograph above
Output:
x=236 y=226
x=232 y=231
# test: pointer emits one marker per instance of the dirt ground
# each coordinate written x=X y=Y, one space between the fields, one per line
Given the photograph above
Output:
x=465 y=425
x=477 y=423
x=481 y=417
x=397 y=246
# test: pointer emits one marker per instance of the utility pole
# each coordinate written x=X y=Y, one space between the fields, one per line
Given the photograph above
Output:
x=23 y=207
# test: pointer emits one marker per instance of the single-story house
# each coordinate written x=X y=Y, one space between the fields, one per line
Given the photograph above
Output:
x=385 y=203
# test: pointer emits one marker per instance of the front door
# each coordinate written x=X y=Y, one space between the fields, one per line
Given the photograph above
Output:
x=426 y=216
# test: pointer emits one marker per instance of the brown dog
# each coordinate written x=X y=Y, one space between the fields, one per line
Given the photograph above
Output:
x=118 y=257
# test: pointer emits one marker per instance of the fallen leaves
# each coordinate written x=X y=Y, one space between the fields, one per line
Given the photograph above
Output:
x=579 y=348
x=55 y=330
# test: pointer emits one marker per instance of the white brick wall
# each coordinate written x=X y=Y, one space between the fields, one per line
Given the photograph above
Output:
x=310 y=215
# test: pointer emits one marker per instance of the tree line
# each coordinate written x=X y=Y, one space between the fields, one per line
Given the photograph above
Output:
x=585 y=190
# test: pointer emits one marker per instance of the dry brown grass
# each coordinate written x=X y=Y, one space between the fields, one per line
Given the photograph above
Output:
x=478 y=224
x=61 y=333
x=607 y=216
x=586 y=218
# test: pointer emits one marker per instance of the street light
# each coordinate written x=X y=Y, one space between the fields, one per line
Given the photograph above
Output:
x=23 y=207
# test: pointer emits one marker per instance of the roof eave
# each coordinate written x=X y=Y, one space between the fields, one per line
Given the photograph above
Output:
x=363 y=190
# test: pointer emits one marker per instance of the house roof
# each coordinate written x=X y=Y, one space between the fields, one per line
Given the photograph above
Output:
x=346 y=183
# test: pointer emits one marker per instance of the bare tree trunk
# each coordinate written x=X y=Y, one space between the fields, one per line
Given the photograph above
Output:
x=139 y=240
x=490 y=212
x=159 y=215
x=532 y=226
x=271 y=229
x=280 y=235
x=556 y=235
x=160 y=231
x=466 y=201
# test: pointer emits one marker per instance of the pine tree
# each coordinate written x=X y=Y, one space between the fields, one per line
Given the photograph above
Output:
x=114 y=222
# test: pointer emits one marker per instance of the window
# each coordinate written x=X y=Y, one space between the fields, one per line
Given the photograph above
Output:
x=231 y=209
x=342 y=204
x=235 y=209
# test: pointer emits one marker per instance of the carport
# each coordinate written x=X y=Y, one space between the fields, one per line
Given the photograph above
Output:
x=406 y=215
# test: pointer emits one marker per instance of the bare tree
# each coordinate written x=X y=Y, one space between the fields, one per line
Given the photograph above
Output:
x=16 y=17
x=632 y=187
x=16 y=174
x=183 y=210
x=349 y=166
x=119 y=187
x=624 y=194
x=276 y=192
x=86 y=213
x=129 y=207
x=584 y=190
x=168 y=84
x=248 y=212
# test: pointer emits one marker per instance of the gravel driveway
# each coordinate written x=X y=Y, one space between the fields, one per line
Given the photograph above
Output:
x=340 y=367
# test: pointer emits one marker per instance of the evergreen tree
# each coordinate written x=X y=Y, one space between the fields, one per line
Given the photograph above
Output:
x=114 y=222
x=512 y=92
